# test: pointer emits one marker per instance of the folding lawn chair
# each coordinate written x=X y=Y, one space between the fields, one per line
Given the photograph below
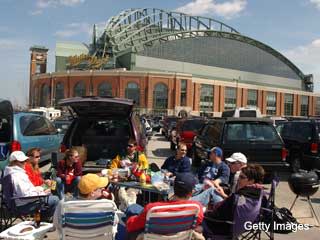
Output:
x=89 y=219
x=174 y=221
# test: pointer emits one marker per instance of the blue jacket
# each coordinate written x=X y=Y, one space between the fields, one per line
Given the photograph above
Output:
x=215 y=171
x=177 y=166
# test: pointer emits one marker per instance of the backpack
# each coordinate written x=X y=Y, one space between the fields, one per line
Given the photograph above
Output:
x=283 y=216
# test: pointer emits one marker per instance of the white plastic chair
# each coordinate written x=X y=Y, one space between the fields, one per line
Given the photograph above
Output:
x=89 y=219
x=174 y=221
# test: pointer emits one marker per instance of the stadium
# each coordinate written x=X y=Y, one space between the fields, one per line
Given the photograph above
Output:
x=170 y=62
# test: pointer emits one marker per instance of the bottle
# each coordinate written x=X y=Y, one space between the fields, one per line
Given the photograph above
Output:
x=143 y=178
x=53 y=179
x=37 y=218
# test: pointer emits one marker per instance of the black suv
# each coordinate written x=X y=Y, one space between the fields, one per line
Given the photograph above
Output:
x=257 y=138
x=301 y=137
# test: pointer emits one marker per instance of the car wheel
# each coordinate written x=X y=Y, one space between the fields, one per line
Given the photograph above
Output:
x=172 y=146
x=295 y=163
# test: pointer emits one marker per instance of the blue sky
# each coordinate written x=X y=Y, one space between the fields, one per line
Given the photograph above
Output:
x=290 y=26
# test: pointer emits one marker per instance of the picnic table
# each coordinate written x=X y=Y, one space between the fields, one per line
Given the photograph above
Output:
x=147 y=190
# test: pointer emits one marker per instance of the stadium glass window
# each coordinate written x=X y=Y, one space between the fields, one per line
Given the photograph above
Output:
x=230 y=98
x=105 y=89
x=288 y=104
x=133 y=92
x=79 y=89
x=38 y=68
x=45 y=95
x=318 y=106
x=206 y=98
x=183 y=93
x=271 y=103
x=304 y=106
x=252 y=98
x=59 y=92
x=160 y=96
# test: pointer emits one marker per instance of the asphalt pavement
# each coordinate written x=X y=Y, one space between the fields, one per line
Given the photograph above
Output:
x=158 y=150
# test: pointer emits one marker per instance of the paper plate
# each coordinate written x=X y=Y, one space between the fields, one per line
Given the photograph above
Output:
x=21 y=230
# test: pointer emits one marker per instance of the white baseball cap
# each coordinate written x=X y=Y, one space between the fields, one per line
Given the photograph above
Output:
x=18 y=156
x=237 y=157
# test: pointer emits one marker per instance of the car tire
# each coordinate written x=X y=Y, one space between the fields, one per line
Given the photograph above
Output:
x=295 y=163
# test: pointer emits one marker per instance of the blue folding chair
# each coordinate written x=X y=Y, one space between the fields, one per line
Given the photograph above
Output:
x=89 y=219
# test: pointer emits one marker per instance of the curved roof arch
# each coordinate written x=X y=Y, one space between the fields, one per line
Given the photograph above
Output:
x=134 y=29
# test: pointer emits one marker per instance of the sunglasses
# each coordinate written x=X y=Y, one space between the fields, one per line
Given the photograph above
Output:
x=36 y=156
x=130 y=145
x=183 y=150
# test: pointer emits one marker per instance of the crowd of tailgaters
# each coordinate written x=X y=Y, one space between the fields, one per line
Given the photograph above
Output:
x=213 y=190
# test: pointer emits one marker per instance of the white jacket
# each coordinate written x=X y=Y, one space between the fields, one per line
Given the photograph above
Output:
x=22 y=185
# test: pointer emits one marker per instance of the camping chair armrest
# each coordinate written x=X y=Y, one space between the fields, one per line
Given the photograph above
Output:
x=31 y=197
x=219 y=221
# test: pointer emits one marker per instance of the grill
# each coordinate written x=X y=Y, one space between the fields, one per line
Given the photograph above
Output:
x=305 y=184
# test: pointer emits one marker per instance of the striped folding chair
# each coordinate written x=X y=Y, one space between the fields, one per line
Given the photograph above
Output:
x=176 y=221
x=89 y=219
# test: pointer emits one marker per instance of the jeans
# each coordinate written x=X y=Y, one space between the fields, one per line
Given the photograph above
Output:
x=73 y=187
x=206 y=196
x=33 y=206
x=133 y=210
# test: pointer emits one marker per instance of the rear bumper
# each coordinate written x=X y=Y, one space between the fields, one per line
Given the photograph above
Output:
x=312 y=162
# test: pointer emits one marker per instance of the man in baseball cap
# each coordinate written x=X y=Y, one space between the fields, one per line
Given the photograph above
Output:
x=18 y=156
x=91 y=186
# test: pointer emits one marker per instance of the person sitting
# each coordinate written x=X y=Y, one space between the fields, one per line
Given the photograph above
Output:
x=69 y=172
x=179 y=163
x=216 y=194
x=32 y=168
x=91 y=187
x=23 y=187
x=183 y=186
x=215 y=172
x=132 y=156
x=249 y=186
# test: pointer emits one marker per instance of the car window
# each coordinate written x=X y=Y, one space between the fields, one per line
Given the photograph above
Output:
x=34 y=126
x=251 y=132
x=213 y=132
x=302 y=131
x=119 y=127
x=228 y=113
x=192 y=125
x=5 y=130
x=51 y=127
x=248 y=113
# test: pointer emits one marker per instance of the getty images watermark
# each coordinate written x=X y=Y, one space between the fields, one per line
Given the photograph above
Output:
x=294 y=227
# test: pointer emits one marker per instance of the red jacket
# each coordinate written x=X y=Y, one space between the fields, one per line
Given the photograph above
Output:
x=62 y=169
x=136 y=223
x=34 y=176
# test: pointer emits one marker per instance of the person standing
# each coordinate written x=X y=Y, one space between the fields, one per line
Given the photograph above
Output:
x=69 y=172
x=179 y=163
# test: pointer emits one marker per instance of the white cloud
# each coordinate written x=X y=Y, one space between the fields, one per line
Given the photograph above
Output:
x=7 y=44
x=228 y=9
x=73 y=29
x=307 y=58
x=43 y=4
x=316 y=2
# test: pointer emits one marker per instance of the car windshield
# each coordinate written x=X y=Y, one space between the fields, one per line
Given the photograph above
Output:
x=252 y=131
x=109 y=128
x=192 y=125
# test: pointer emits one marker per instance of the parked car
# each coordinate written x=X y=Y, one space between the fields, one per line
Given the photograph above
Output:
x=301 y=137
x=257 y=138
x=103 y=125
x=169 y=122
x=24 y=130
x=147 y=125
x=242 y=112
x=185 y=131
x=62 y=125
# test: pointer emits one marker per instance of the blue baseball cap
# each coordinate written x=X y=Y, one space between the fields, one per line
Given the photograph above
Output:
x=217 y=151
x=186 y=181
